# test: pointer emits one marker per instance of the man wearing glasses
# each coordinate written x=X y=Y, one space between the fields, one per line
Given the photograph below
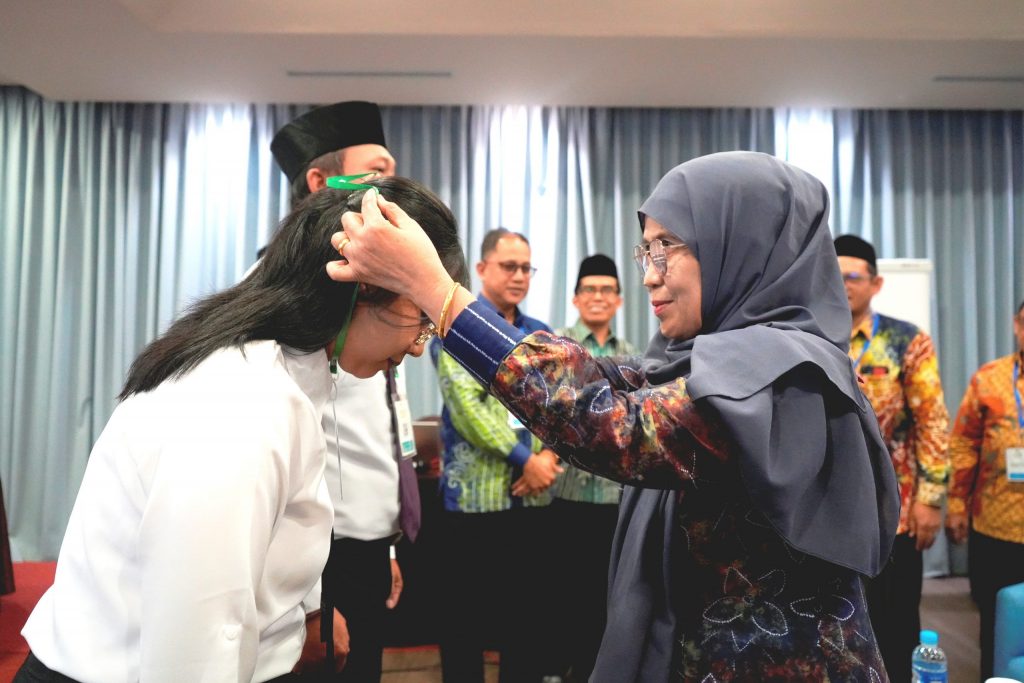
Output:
x=586 y=506
x=901 y=379
x=495 y=485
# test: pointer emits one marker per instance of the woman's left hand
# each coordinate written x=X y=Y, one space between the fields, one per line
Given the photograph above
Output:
x=383 y=246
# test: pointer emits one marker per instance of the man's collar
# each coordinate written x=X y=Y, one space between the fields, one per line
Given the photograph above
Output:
x=865 y=326
x=517 y=314
x=582 y=331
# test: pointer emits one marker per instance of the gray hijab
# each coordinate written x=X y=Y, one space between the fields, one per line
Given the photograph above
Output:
x=771 y=362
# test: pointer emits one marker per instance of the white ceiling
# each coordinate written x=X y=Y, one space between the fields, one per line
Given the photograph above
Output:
x=688 y=53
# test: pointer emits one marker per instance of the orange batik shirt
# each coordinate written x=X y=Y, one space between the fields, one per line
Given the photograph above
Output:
x=901 y=379
x=986 y=425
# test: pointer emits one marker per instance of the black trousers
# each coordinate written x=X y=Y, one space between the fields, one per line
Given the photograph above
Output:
x=34 y=671
x=583 y=545
x=357 y=581
x=894 y=600
x=991 y=564
x=497 y=582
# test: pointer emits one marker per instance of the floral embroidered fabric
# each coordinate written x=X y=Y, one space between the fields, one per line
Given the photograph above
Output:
x=750 y=608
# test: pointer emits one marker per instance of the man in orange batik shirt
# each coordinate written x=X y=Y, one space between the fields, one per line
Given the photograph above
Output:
x=986 y=494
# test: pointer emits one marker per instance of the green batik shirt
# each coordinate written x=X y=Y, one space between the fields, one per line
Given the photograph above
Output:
x=575 y=484
x=484 y=450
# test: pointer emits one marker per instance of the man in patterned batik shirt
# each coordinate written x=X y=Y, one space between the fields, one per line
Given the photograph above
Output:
x=986 y=493
x=900 y=375
x=586 y=506
x=495 y=488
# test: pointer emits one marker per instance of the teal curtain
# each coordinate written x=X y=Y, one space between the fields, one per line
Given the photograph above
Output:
x=115 y=216
x=570 y=179
x=947 y=186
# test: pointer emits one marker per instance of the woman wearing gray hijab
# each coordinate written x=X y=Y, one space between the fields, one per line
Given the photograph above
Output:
x=758 y=487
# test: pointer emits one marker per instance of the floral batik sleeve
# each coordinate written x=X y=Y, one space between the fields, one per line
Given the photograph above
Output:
x=964 y=448
x=599 y=414
x=602 y=416
x=923 y=390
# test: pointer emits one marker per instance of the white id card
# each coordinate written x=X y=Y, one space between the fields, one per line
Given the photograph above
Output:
x=403 y=417
x=1015 y=464
x=514 y=422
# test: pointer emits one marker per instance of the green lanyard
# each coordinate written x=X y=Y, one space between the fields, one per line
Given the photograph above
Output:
x=346 y=182
x=339 y=342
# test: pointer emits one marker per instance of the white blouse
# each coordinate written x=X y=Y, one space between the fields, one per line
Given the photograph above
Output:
x=197 y=540
x=361 y=472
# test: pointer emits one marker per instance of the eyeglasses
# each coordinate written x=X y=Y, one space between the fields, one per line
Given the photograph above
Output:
x=394 y=319
x=653 y=252
x=425 y=334
x=856 y=277
x=591 y=290
x=510 y=268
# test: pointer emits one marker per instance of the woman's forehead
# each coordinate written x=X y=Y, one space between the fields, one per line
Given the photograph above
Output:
x=654 y=230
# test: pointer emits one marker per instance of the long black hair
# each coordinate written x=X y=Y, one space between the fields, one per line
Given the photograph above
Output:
x=288 y=297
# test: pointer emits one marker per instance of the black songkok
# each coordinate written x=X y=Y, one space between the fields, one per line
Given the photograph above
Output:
x=598 y=264
x=324 y=130
x=851 y=245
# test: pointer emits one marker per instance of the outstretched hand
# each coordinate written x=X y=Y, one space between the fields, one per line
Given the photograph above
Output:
x=384 y=247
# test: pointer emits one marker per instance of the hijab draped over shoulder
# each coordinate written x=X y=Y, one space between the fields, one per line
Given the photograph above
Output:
x=771 y=363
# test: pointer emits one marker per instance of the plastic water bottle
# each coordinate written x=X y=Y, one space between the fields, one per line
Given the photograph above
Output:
x=929 y=661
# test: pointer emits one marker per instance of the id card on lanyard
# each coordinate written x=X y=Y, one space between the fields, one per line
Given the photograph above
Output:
x=514 y=422
x=403 y=416
x=1015 y=456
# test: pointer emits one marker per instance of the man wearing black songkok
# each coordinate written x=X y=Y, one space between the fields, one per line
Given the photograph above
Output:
x=339 y=139
x=380 y=495
x=901 y=379
x=586 y=506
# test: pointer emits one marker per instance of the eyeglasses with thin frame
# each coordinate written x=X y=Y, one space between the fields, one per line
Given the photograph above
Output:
x=654 y=252
x=427 y=327
x=856 y=278
x=591 y=290
x=510 y=268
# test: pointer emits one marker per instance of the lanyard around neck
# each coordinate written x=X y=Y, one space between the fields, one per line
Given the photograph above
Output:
x=874 y=331
x=1016 y=394
x=339 y=342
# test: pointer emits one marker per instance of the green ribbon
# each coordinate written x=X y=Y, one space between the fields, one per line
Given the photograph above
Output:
x=346 y=182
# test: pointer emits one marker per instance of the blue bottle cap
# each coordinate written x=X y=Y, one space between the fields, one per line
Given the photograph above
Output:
x=929 y=638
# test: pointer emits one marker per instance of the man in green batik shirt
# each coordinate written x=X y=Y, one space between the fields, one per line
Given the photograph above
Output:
x=495 y=487
x=586 y=506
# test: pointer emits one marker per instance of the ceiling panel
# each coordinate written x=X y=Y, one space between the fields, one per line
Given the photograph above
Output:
x=644 y=53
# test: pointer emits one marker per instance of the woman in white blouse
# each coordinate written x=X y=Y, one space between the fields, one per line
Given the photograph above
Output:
x=202 y=525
